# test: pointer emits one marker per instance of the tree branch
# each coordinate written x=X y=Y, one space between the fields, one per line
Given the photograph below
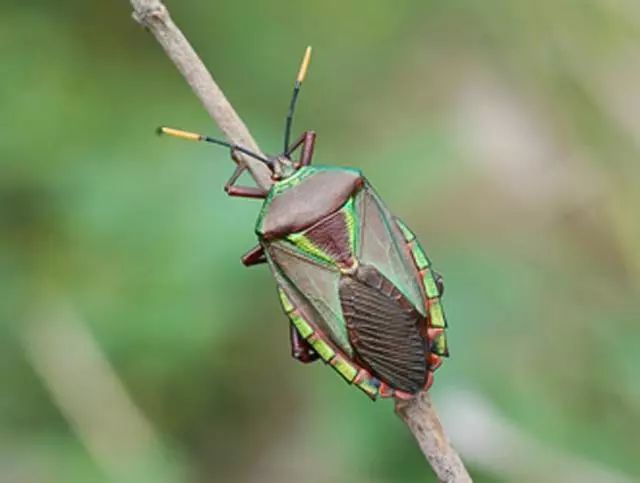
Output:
x=421 y=417
x=153 y=15
x=419 y=413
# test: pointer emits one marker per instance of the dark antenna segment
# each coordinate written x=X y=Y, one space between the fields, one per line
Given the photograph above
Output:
x=296 y=90
x=191 y=136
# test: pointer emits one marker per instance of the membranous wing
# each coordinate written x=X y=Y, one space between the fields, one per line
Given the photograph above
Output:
x=381 y=245
x=383 y=301
x=384 y=329
x=312 y=285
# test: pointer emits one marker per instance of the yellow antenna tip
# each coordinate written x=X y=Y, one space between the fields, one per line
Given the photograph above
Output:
x=191 y=136
x=304 y=66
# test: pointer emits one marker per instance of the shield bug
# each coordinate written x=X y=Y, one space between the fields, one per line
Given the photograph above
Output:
x=358 y=289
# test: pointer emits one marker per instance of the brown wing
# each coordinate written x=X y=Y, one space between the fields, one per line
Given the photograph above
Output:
x=383 y=328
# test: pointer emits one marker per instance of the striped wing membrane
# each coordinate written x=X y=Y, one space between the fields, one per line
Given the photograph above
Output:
x=383 y=328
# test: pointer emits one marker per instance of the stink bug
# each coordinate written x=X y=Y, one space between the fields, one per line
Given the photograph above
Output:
x=358 y=289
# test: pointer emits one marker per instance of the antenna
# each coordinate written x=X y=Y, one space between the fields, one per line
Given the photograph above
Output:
x=296 y=90
x=191 y=136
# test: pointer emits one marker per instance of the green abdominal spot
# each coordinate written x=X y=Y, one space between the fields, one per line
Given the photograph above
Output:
x=430 y=286
x=322 y=348
x=419 y=256
x=284 y=300
x=436 y=314
x=406 y=232
x=303 y=327
x=439 y=345
x=347 y=371
x=368 y=386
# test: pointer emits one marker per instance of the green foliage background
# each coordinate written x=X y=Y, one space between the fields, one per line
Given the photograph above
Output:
x=505 y=133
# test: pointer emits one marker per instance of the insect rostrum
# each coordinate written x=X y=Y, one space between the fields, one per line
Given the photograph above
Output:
x=356 y=285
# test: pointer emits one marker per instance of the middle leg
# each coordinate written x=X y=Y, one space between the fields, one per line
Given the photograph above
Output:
x=255 y=256
x=243 y=191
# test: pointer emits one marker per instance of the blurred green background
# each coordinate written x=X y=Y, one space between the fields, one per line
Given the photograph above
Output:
x=135 y=347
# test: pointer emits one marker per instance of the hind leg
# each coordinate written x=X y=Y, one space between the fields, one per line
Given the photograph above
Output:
x=439 y=282
x=300 y=348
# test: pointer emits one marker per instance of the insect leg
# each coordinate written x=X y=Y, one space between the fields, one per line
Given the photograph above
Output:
x=439 y=282
x=255 y=256
x=300 y=348
x=242 y=191
x=307 y=141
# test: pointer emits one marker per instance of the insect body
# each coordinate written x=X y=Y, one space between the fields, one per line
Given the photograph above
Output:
x=358 y=289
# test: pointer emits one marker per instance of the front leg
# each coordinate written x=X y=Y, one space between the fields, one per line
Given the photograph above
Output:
x=307 y=140
x=242 y=191
x=300 y=348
